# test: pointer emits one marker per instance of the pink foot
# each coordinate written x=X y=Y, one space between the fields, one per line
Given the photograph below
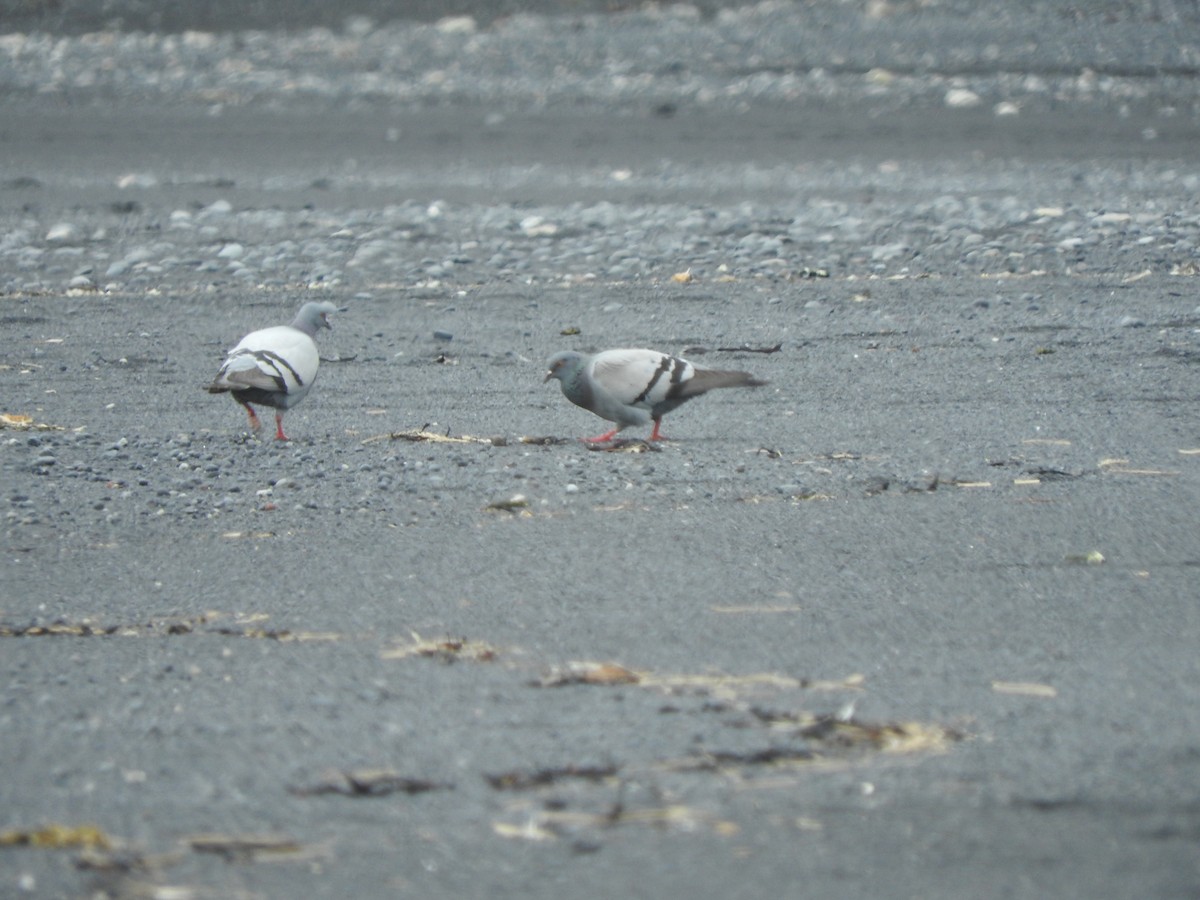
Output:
x=654 y=435
x=279 y=435
x=255 y=424
x=601 y=438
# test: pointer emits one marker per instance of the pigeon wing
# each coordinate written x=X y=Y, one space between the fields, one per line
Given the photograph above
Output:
x=281 y=359
x=641 y=377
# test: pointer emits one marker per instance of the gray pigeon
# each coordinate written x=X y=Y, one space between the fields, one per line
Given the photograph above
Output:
x=633 y=387
x=275 y=366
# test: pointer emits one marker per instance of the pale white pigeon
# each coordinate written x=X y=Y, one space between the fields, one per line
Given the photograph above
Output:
x=275 y=366
x=635 y=387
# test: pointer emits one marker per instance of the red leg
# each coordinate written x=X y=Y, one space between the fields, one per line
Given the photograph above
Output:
x=279 y=435
x=255 y=425
x=601 y=438
x=654 y=435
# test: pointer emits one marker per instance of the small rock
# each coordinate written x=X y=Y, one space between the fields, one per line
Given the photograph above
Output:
x=536 y=226
x=887 y=252
x=961 y=98
x=457 y=25
x=62 y=233
x=137 y=180
x=359 y=26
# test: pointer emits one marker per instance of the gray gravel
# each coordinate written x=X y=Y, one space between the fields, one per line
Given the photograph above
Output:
x=311 y=218
x=1030 y=55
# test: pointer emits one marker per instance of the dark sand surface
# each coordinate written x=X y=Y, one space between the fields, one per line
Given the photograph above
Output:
x=918 y=619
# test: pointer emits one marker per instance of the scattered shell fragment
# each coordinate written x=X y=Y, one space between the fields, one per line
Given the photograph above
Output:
x=1024 y=689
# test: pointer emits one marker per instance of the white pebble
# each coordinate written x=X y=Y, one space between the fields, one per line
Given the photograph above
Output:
x=63 y=231
x=961 y=98
x=457 y=25
x=137 y=180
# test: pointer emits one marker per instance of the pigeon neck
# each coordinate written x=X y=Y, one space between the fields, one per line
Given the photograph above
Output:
x=307 y=325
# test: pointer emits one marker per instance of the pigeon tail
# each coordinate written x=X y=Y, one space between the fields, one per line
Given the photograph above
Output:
x=711 y=379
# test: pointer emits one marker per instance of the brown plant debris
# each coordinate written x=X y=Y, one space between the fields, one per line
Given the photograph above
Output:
x=367 y=783
x=124 y=861
x=547 y=441
x=158 y=627
x=744 y=348
x=245 y=847
x=518 y=780
x=828 y=738
x=447 y=650
x=514 y=504
x=22 y=422
x=754 y=680
x=589 y=673
x=1122 y=467
x=421 y=435
x=549 y=825
x=57 y=837
x=1091 y=558
x=625 y=445
x=609 y=673
x=753 y=608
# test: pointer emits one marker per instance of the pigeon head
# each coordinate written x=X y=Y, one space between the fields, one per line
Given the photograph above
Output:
x=315 y=316
x=563 y=365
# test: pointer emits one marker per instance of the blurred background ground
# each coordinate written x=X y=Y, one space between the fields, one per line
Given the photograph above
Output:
x=77 y=16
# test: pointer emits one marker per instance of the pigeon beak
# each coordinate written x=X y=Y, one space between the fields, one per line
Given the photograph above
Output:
x=549 y=375
x=325 y=317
